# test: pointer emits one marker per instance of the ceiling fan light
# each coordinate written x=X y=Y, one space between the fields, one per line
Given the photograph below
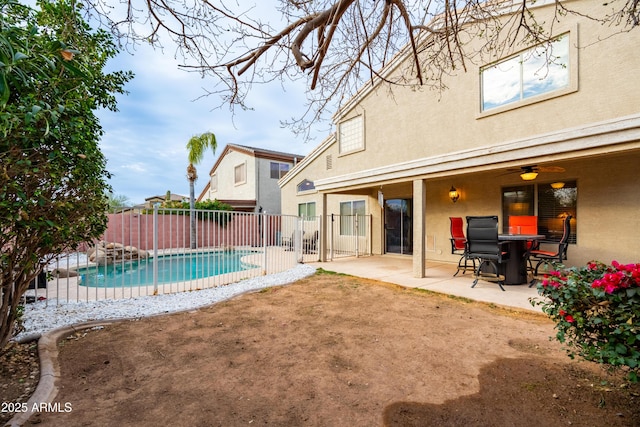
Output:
x=529 y=175
x=557 y=185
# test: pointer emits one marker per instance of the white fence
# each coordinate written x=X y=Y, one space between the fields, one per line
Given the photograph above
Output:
x=154 y=252
x=348 y=235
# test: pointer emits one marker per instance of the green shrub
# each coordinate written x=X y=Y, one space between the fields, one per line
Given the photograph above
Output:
x=222 y=215
x=597 y=310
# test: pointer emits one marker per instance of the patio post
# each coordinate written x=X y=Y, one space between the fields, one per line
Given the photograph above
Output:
x=419 y=240
x=322 y=247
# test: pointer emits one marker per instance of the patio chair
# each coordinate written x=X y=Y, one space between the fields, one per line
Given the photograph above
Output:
x=550 y=257
x=310 y=242
x=525 y=224
x=483 y=245
x=290 y=242
x=459 y=246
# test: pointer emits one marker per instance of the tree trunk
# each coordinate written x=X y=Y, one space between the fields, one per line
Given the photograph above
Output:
x=192 y=214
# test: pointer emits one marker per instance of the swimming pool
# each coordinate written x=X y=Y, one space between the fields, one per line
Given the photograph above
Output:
x=171 y=269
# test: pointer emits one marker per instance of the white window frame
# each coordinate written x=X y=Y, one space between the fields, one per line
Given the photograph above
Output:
x=351 y=135
x=305 y=185
x=243 y=179
x=306 y=206
x=283 y=168
x=570 y=63
x=214 y=183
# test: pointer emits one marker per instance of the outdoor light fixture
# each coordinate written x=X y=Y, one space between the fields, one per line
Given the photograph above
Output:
x=453 y=194
x=529 y=175
x=557 y=185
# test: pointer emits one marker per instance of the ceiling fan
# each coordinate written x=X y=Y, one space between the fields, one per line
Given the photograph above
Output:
x=529 y=173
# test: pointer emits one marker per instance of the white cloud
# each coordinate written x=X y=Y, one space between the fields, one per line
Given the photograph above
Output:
x=145 y=142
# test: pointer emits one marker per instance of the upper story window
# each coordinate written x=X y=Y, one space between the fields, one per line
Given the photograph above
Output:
x=278 y=170
x=240 y=174
x=351 y=135
x=306 y=185
x=214 y=182
x=536 y=71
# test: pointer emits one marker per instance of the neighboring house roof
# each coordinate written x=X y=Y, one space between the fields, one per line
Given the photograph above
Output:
x=260 y=153
x=257 y=152
x=176 y=197
x=204 y=191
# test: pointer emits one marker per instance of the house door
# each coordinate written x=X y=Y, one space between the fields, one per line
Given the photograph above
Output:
x=398 y=226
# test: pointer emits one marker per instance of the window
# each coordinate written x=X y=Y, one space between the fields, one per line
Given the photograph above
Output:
x=554 y=204
x=307 y=209
x=352 y=217
x=306 y=185
x=517 y=201
x=214 y=182
x=351 y=135
x=240 y=174
x=536 y=71
x=278 y=170
x=551 y=205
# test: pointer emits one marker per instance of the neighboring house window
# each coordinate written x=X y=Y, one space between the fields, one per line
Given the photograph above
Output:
x=536 y=71
x=307 y=209
x=350 y=212
x=306 y=185
x=278 y=170
x=351 y=135
x=214 y=182
x=551 y=205
x=240 y=174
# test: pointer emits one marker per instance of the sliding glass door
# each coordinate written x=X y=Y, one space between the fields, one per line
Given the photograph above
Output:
x=398 y=222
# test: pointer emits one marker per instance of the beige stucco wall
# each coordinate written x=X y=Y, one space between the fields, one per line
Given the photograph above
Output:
x=425 y=122
x=608 y=208
x=227 y=189
x=421 y=123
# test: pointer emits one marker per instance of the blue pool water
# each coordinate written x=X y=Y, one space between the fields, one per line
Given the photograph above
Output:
x=171 y=269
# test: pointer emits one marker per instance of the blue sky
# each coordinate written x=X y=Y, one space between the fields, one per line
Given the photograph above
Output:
x=144 y=142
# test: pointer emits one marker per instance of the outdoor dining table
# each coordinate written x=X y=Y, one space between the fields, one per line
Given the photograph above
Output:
x=515 y=268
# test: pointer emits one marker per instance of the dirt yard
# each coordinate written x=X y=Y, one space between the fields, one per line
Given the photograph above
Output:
x=334 y=350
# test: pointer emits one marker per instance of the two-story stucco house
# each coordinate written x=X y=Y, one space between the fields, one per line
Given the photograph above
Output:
x=247 y=178
x=573 y=123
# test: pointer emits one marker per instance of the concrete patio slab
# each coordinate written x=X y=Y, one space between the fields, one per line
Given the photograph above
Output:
x=439 y=278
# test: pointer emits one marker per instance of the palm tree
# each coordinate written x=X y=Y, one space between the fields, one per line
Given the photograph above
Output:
x=196 y=147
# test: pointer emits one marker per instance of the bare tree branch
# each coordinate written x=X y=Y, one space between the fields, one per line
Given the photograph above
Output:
x=335 y=45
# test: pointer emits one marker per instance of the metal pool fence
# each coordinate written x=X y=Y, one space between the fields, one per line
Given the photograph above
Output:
x=157 y=251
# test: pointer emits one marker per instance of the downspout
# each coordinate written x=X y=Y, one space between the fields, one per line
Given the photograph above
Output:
x=257 y=184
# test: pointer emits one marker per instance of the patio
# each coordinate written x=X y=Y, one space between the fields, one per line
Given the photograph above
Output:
x=439 y=278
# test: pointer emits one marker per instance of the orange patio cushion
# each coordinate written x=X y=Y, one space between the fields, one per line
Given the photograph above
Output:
x=528 y=224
